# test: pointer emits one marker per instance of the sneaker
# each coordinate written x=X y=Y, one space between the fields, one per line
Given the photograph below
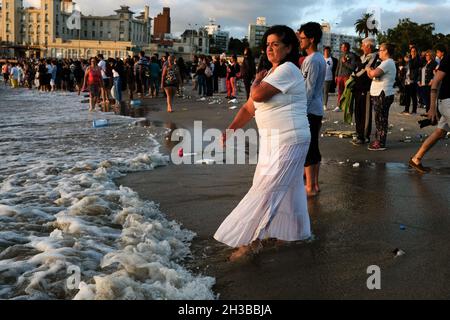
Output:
x=337 y=109
x=325 y=108
x=376 y=146
x=418 y=167
x=357 y=142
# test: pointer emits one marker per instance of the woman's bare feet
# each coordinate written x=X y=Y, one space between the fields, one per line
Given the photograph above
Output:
x=246 y=251
x=240 y=253
x=311 y=192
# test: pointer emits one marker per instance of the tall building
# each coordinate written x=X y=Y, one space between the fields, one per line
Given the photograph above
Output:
x=334 y=40
x=162 y=24
x=256 y=32
x=45 y=31
x=219 y=39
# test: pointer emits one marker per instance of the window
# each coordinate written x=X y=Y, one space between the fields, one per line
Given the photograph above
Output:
x=93 y=23
x=101 y=23
x=93 y=34
x=101 y=34
x=200 y=42
x=85 y=33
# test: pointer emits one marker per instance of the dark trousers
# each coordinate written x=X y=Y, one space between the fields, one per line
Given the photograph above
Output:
x=201 y=78
x=315 y=124
x=381 y=105
x=248 y=85
x=209 y=86
x=425 y=92
x=411 y=95
x=216 y=84
x=363 y=115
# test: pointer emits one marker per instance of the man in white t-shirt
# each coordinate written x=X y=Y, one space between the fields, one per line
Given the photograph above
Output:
x=106 y=82
x=328 y=76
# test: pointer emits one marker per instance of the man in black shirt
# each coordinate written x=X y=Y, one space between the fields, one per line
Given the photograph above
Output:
x=442 y=76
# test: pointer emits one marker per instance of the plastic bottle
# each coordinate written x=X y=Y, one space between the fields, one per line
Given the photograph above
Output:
x=135 y=103
x=99 y=123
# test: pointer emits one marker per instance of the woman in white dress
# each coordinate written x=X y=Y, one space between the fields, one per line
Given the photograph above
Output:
x=276 y=205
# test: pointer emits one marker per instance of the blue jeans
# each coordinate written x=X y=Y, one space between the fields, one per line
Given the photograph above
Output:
x=201 y=84
x=118 y=89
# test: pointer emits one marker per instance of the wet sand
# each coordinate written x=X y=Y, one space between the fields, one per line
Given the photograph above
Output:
x=361 y=216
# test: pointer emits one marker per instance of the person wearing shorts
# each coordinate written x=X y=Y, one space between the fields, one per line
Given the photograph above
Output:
x=93 y=82
x=442 y=78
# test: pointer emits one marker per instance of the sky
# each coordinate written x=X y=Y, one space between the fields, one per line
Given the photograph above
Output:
x=235 y=15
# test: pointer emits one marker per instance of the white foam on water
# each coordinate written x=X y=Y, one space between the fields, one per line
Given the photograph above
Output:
x=59 y=207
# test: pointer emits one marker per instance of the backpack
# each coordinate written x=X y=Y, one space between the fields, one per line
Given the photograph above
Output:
x=208 y=72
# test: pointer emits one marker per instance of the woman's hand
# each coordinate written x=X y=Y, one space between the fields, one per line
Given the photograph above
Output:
x=260 y=75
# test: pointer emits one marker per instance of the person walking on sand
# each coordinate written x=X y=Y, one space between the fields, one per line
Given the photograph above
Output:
x=442 y=79
x=314 y=71
x=93 y=82
x=276 y=205
x=170 y=81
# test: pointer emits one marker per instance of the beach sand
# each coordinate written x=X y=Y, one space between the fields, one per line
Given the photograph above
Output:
x=360 y=217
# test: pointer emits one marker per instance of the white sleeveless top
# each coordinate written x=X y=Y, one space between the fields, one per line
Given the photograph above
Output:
x=285 y=112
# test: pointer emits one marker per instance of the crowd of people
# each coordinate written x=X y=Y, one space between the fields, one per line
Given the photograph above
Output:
x=140 y=76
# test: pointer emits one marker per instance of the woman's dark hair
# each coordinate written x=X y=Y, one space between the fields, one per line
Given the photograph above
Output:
x=390 y=48
x=288 y=37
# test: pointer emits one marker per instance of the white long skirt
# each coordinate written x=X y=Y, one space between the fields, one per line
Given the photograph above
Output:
x=276 y=204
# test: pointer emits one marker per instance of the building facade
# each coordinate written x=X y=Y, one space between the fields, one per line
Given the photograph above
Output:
x=162 y=24
x=45 y=31
x=219 y=39
x=256 y=32
x=334 y=40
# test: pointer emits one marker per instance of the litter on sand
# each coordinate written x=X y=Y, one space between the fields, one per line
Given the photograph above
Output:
x=398 y=253
x=233 y=107
x=335 y=133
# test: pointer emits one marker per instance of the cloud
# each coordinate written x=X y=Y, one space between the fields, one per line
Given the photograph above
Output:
x=437 y=14
x=235 y=15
